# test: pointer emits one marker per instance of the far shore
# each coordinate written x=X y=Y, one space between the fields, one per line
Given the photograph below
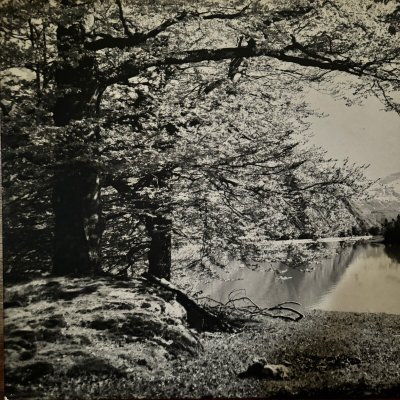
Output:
x=368 y=238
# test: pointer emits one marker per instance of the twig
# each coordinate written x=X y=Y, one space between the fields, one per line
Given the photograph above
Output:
x=250 y=308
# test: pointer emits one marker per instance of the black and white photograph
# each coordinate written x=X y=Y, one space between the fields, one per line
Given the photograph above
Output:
x=200 y=199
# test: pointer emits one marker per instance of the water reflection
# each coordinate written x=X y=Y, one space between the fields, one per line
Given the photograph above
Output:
x=393 y=252
x=363 y=278
x=371 y=283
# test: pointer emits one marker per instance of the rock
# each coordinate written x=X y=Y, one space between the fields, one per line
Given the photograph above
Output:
x=276 y=371
x=174 y=310
x=253 y=370
x=265 y=371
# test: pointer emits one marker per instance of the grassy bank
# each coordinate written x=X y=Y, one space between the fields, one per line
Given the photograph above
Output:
x=113 y=339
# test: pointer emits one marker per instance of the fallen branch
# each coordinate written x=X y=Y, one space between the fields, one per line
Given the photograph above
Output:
x=245 y=307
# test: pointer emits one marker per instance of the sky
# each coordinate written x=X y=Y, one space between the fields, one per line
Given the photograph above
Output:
x=366 y=134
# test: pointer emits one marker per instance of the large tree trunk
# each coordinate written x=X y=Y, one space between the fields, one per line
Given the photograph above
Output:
x=159 y=226
x=76 y=191
x=78 y=227
x=159 y=229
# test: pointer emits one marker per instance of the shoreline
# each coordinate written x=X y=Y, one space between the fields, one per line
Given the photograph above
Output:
x=122 y=340
x=365 y=238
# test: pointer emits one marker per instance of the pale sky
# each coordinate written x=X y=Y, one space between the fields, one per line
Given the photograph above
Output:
x=365 y=134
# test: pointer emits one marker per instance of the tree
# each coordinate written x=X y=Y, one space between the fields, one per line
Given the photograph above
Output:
x=82 y=53
x=76 y=192
x=228 y=182
x=391 y=230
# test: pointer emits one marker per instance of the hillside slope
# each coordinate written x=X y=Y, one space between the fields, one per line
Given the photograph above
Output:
x=383 y=201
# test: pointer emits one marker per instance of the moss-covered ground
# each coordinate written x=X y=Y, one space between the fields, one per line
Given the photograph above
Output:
x=108 y=339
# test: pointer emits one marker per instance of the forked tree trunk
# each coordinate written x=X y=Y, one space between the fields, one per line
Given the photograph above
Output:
x=78 y=227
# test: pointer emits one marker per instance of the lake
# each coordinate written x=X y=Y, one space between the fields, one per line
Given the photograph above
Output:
x=363 y=277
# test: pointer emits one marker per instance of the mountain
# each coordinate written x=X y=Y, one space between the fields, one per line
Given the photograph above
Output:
x=392 y=180
x=383 y=202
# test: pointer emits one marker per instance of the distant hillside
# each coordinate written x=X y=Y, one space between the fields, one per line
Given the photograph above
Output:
x=383 y=202
x=392 y=180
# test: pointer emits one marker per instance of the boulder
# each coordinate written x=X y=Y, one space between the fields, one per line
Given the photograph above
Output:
x=262 y=370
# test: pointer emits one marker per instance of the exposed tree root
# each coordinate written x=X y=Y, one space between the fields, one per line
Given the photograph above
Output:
x=198 y=317
x=212 y=315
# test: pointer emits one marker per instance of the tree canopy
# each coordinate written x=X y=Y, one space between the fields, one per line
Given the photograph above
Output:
x=156 y=120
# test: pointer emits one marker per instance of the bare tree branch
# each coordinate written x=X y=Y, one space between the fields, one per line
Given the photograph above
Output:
x=130 y=69
x=122 y=18
x=137 y=38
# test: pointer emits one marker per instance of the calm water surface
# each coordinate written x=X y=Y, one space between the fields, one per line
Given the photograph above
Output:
x=362 y=278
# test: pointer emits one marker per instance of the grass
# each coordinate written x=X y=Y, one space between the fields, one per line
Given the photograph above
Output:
x=79 y=338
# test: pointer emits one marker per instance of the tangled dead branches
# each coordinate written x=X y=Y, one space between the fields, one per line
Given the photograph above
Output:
x=242 y=307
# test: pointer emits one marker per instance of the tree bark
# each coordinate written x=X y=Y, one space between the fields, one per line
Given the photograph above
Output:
x=76 y=191
x=159 y=255
x=78 y=224
x=159 y=227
